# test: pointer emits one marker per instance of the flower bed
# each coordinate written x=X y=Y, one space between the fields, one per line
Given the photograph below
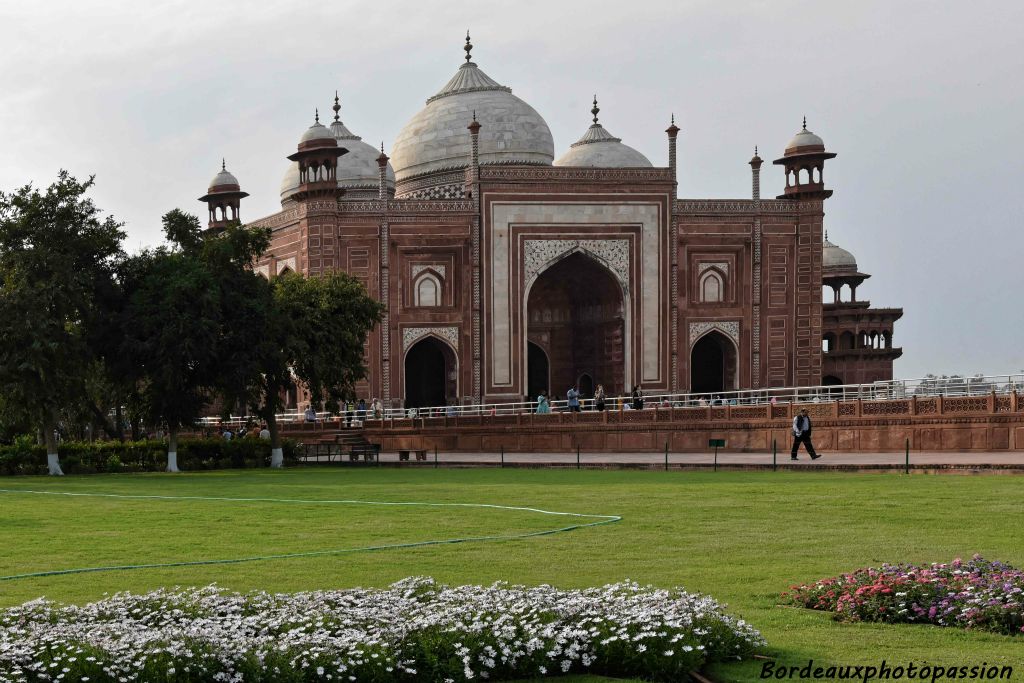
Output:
x=415 y=630
x=977 y=594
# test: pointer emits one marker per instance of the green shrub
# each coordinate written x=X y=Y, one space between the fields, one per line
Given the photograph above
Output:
x=25 y=457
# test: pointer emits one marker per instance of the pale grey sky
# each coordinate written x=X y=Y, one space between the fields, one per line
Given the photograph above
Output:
x=923 y=101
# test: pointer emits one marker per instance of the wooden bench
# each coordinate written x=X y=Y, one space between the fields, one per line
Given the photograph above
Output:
x=421 y=454
x=369 y=453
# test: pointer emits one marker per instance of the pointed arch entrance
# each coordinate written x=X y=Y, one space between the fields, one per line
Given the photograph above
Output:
x=577 y=311
x=713 y=364
x=431 y=374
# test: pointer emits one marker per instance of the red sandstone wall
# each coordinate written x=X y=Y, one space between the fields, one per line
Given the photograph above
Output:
x=979 y=423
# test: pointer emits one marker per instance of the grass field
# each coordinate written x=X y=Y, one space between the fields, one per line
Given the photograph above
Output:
x=740 y=537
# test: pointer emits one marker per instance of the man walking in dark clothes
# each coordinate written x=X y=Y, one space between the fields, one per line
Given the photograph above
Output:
x=802 y=435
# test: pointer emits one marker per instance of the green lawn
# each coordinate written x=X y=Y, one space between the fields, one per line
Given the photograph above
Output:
x=741 y=537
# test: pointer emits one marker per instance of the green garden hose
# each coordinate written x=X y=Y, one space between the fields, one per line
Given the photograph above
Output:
x=599 y=520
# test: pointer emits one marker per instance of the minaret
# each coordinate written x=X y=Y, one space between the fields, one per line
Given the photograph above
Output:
x=223 y=198
x=477 y=311
x=673 y=131
x=804 y=161
x=474 y=157
x=755 y=170
x=382 y=164
x=756 y=272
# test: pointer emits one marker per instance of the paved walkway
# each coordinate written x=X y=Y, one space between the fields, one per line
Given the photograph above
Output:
x=992 y=460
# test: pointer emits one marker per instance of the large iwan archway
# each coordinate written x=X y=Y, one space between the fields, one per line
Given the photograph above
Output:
x=713 y=364
x=431 y=374
x=576 y=314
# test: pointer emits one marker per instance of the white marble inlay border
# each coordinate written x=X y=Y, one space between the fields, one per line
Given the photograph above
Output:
x=720 y=265
x=559 y=218
x=286 y=263
x=439 y=268
x=540 y=254
x=411 y=335
x=730 y=328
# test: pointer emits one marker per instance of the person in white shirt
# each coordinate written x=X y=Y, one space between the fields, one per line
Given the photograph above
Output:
x=802 y=435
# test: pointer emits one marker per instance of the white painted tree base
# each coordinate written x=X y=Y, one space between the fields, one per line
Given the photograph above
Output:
x=53 y=465
x=277 y=457
x=172 y=461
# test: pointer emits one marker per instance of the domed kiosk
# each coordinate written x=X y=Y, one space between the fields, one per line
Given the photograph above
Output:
x=433 y=150
x=856 y=338
x=358 y=172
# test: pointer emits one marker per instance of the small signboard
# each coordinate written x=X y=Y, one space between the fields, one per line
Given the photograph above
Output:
x=716 y=443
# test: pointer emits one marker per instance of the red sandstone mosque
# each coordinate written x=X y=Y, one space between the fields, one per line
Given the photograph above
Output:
x=506 y=269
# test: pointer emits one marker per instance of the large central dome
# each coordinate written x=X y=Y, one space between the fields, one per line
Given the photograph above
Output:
x=436 y=139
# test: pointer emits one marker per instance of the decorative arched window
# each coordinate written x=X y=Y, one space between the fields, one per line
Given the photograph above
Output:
x=712 y=287
x=427 y=290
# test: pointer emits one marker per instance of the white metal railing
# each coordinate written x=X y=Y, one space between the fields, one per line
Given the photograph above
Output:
x=877 y=391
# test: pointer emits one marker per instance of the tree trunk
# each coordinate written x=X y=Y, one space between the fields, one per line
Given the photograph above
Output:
x=101 y=420
x=50 y=439
x=119 y=427
x=172 y=450
x=276 y=452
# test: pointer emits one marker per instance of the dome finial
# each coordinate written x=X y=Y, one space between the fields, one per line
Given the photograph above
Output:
x=595 y=109
x=336 y=107
x=316 y=115
x=826 y=234
x=755 y=150
x=805 y=123
x=223 y=164
x=468 y=48
x=381 y=146
x=673 y=118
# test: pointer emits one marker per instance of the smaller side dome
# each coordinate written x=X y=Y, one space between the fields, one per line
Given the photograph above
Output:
x=835 y=259
x=804 y=141
x=600 y=149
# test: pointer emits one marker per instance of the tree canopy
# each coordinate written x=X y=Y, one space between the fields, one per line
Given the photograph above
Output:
x=58 y=260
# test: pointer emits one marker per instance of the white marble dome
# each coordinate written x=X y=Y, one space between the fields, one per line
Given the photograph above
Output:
x=835 y=258
x=805 y=140
x=600 y=149
x=437 y=138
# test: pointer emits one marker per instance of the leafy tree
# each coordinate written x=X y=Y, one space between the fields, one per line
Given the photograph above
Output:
x=57 y=257
x=171 y=329
x=314 y=332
